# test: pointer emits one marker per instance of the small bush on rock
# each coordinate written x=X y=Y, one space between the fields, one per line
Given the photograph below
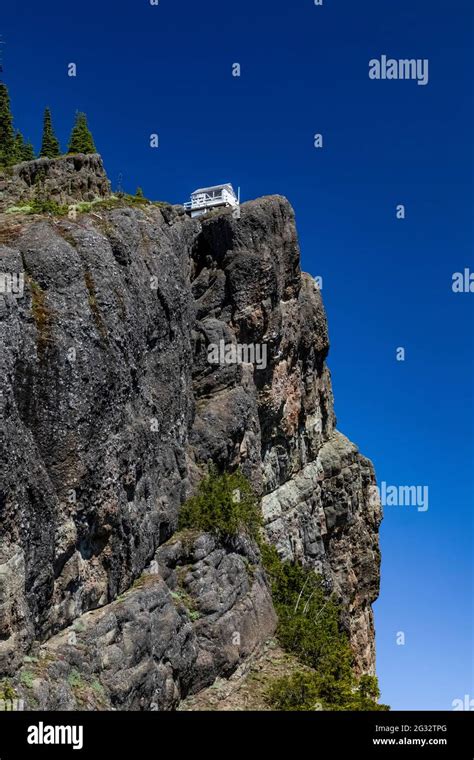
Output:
x=46 y=206
x=224 y=505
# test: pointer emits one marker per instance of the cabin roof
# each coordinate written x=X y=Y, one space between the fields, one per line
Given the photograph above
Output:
x=226 y=185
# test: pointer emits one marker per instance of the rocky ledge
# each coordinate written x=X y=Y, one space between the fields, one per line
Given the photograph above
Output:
x=65 y=180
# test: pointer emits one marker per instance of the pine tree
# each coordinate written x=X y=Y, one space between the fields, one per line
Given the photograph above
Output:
x=81 y=140
x=139 y=193
x=7 y=138
x=28 y=152
x=23 y=151
x=50 y=144
x=19 y=146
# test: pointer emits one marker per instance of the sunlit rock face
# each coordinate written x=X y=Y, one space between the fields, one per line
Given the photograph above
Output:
x=112 y=409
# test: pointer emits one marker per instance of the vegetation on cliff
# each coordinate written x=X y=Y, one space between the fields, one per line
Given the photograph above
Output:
x=14 y=149
x=24 y=151
x=7 y=137
x=224 y=505
x=106 y=262
x=309 y=626
x=81 y=140
x=309 y=618
x=49 y=143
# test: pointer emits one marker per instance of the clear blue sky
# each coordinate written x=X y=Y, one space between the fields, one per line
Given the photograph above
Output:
x=387 y=283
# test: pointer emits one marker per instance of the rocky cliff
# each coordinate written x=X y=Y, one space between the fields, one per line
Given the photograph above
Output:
x=111 y=410
x=66 y=180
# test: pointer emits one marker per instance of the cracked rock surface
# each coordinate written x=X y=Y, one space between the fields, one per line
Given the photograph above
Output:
x=111 y=411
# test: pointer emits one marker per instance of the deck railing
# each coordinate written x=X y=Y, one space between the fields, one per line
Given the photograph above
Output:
x=203 y=200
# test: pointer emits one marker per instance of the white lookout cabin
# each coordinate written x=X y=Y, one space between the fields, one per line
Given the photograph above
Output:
x=207 y=198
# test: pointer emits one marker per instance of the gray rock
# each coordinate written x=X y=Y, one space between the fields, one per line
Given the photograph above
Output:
x=112 y=411
x=65 y=180
x=326 y=517
x=161 y=640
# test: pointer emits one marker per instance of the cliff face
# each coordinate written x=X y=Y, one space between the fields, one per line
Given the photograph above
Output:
x=111 y=408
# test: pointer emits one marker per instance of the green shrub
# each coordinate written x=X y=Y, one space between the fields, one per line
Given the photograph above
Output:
x=308 y=620
x=24 y=209
x=106 y=204
x=224 y=505
x=299 y=691
x=39 y=206
x=367 y=694
x=84 y=207
x=46 y=206
x=309 y=627
x=134 y=200
x=98 y=688
x=74 y=679
x=26 y=678
x=304 y=690
x=7 y=692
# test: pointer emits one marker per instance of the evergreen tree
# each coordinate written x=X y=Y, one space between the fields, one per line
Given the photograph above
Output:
x=81 y=140
x=23 y=151
x=50 y=144
x=7 y=138
x=28 y=152
x=19 y=146
x=139 y=193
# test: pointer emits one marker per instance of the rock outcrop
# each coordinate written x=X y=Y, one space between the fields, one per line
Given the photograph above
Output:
x=112 y=409
x=193 y=616
x=65 y=180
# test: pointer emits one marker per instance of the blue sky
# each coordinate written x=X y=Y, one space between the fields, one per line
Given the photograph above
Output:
x=166 y=69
